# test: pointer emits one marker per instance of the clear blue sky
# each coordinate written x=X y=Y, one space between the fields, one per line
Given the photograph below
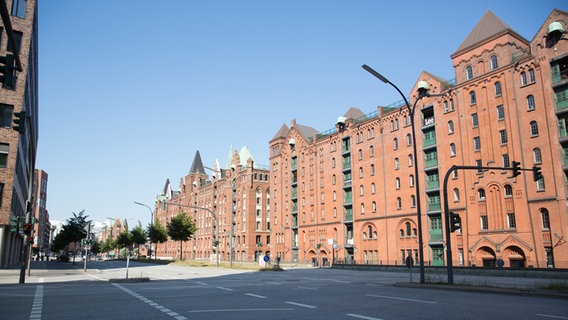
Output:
x=131 y=89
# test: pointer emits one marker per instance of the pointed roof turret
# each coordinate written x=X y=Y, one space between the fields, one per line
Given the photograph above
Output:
x=282 y=132
x=489 y=26
x=197 y=165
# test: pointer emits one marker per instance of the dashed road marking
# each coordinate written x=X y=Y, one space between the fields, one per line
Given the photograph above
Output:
x=151 y=303
x=300 y=305
x=38 y=304
x=255 y=295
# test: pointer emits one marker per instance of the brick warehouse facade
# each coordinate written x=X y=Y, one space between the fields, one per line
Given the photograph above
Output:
x=237 y=194
x=352 y=188
x=348 y=194
x=18 y=150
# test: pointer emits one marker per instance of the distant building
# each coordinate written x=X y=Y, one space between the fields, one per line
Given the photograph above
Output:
x=39 y=212
x=349 y=194
x=238 y=195
x=18 y=150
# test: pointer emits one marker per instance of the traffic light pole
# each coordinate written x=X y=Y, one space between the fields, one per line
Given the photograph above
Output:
x=516 y=171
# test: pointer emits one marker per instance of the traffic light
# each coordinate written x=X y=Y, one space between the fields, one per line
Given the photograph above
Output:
x=31 y=240
x=7 y=71
x=19 y=122
x=537 y=175
x=455 y=222
x=27 y=229
x=516 y=168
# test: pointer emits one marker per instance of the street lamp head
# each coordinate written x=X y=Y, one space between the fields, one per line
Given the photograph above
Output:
x=422 y=89
x=375 y=73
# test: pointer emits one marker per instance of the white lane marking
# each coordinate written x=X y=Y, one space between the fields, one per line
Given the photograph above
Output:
x=151 y=303
x=38 y=304
x=399 y=298
x=550 y=316
x=300 y=305
x=239 y=310
x=255 y=295
x=201 y=283
x=358 y=316
x=226 y=289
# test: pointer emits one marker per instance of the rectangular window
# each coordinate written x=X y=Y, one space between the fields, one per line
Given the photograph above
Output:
x=4 y=148
x=503 y=136
x=484 y=223
x=18 y=40
x=500 y=112
x=511 y=220
x=476 y=143
x=6 y=111
x=474 y=120
x=479 y=164
x=19 y=8
x=506 y=161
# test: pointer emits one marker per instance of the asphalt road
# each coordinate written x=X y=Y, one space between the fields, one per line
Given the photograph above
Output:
x=61 y=291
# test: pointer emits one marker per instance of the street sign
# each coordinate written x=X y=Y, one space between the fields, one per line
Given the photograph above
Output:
x=266 y=258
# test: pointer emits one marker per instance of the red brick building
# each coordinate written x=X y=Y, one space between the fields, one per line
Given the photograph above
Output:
x=237 y=195
x=353 y=187
x=18 y=150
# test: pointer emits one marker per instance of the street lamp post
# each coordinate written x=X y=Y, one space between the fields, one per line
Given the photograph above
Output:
x=216 y=224
x=422 y=93
x=151 y=224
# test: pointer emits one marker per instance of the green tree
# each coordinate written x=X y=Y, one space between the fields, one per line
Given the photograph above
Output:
x=73 y=231
x=181 y=228
x=157 y=233
x=138 y=236
x=108 y=245
x=95 y=248
x=124 y=240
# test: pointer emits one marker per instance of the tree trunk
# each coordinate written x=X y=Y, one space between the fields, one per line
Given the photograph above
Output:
x=181 y=250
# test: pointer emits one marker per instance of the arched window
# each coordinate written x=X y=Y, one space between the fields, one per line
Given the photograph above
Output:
x=373 y=189
x=472 y=99
x=537 y=155
x=481 y=195
x=371 y=151
x=409 y=139
x=530 y=102
x=410 y=160
x=395 y=143
x=396 y=164
x=494 y=63
x=532 y=78
x=411 y=180
x=508 y=190
x=408 y=229
x=397 y=183
x=545 y=219
x=452 y=149
x=362 y=190
x=360 y=154
x=398 y=203
x=534 y=128
x=413 y=201
x=468 y=72
x=370 y=230
x=456 y=195
x=498 y=90
x=374 y=206
x=372 y=169
x=523 y=78
x=450 y=127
